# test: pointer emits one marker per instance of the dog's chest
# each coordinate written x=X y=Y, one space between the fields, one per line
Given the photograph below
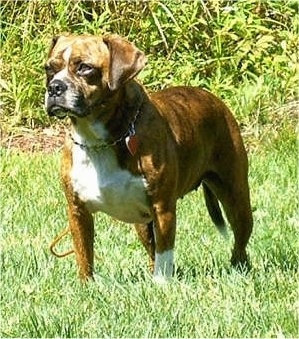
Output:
x=103 y=186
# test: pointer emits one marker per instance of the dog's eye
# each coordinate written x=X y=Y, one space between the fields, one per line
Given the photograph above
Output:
x=49 y=72
x=84 y=69
x=52 y=68
x=48 y=69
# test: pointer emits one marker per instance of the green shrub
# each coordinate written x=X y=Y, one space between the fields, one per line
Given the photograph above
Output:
x=226 y=46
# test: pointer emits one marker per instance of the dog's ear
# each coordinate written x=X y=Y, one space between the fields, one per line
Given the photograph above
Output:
x=126 y=60
x=53 y=43
x=55 y=39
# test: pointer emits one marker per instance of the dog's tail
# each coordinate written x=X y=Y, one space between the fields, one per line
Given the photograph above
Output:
x=214 y=210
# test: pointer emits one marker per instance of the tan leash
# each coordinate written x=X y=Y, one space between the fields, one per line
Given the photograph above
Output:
x=57 y=240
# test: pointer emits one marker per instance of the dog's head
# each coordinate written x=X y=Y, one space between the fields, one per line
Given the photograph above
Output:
x=82 y=71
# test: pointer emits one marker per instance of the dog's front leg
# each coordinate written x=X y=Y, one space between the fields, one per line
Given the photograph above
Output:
x=80 y=220
x=82 y=230
x=164 y=230
x=145 y=234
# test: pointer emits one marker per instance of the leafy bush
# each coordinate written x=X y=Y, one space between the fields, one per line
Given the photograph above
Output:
x=235 y=49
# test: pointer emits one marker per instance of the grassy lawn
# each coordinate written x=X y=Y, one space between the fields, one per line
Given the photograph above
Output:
x=41 y=295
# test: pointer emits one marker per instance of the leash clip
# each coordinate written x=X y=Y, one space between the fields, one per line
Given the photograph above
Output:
x=131 y=139
x=131 y=130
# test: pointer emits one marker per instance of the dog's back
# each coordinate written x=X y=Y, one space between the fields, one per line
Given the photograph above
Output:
x=204 y=130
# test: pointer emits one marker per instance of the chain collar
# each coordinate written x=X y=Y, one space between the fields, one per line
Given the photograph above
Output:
x=103 y=144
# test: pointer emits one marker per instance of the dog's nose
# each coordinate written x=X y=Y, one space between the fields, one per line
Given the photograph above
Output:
x=56 y=88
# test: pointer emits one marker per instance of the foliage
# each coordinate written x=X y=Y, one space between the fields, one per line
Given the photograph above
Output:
x=225 y=46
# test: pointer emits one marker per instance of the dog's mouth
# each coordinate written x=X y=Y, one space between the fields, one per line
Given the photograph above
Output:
x=62 y=108
x=59 y=112
x=68 y=104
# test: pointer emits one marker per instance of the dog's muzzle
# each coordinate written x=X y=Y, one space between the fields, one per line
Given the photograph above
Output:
x=62 y=99
x=56 y=102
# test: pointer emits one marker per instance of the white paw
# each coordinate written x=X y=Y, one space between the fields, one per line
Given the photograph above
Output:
x=161 y=280
x=163 y=270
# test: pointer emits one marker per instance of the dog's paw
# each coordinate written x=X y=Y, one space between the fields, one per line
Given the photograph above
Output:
x=161 y=279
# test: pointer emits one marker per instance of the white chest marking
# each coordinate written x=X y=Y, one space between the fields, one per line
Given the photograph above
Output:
x=104 y=186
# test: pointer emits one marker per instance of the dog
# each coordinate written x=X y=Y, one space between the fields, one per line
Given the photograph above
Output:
x=132 y=155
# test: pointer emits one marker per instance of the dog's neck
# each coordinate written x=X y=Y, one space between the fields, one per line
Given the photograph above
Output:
x=111 y=122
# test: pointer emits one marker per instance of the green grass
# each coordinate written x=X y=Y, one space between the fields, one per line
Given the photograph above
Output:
x=41 y=295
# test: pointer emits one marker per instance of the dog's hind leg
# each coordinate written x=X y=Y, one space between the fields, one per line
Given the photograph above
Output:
x=239 y=214
x=145 y=234
x=233 y=192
